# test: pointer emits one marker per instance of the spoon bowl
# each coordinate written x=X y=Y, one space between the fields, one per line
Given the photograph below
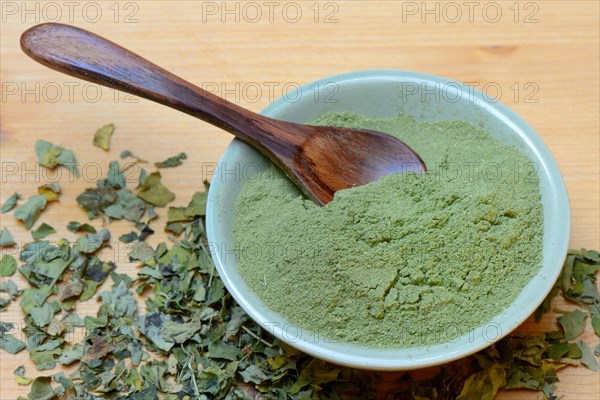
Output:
x=340 y=158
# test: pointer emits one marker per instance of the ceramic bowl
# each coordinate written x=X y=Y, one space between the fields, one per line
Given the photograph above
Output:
x=380 y=94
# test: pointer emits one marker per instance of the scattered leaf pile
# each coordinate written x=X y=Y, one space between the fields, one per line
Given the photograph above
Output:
x=192 y=341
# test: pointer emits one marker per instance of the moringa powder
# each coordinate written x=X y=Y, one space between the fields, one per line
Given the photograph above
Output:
x=404 y=261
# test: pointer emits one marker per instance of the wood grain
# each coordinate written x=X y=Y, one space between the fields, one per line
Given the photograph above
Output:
x=547 y=72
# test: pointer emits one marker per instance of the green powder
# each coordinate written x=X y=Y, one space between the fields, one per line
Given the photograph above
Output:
x=406 y=260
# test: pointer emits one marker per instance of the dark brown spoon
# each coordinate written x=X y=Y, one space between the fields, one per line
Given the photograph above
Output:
x=320 y=160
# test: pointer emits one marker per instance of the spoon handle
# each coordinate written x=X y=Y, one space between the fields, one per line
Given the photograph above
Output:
x=84 y=55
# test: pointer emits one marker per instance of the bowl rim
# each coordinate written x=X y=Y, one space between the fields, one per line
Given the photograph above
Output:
x=503 y=113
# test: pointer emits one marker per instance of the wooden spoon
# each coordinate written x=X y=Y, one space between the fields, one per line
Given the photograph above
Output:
x=320 y=160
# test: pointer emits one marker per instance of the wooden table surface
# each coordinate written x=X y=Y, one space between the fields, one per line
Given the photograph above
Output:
x=538 y=57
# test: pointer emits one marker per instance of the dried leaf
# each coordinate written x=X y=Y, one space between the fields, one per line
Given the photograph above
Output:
x=42 y=315
x=42 y=231
x=563 y=349
x=91 y=242
x=6 y=239
x=91 y=323
x=152 y=191
x=115 y=177
x=224 y=351
x=94 y=201
x=141 y=252
x=74 y=287
x=20 y=377
x=51 y=156
x=126 y=206
x=99 y=270
x=177 y=217
x=151 y=326
x=314 y=372
x=172 y=161
x=253 y=374
x=573 y=323
x=8 y=265
x=128 y=237
x=75 y=227
x=484 y=385
x=50 y=191
x=99 y=349
x=103 y=135
x=11 y=288
x=524 y=377
x=127 y=153
x=71 y=355
x=8 y=342
x=596 y=319
x=41 y=389
x=10 y=203
x=546 y=304
x=46 y=359
x=31 y=210
x=579 y=277
x=587 y=357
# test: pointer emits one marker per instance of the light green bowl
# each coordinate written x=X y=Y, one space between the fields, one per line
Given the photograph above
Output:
x=380 y=94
